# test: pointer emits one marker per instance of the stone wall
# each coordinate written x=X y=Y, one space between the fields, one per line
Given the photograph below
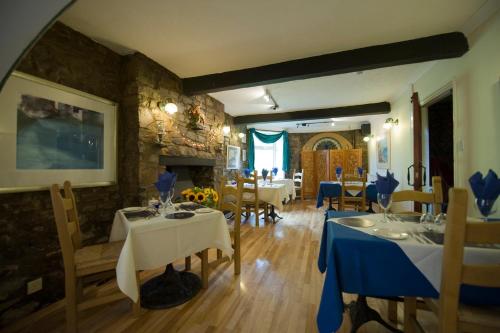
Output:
x=29 y=246
x=150 y=85
x=297 y=140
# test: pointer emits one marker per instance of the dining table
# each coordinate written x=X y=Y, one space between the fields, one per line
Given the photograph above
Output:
x=289 y=185
x=153 y=240
x=370 y=262
x=333 y=189
x=272 y=193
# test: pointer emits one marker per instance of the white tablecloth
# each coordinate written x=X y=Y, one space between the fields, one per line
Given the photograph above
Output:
x=428 y=258
x=155 y=242
x=273 y=194
x=289 y=185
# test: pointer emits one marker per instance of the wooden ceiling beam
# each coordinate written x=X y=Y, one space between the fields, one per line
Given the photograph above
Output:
x=303 y=115
x=443 y=46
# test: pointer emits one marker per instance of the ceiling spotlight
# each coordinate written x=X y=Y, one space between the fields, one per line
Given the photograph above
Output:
x=333 y=124
x=266 y=97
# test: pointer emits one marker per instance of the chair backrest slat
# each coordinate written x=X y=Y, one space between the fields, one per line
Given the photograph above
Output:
x=484 y=233
x=435 y=197
x=65 y=230
x=481 y=275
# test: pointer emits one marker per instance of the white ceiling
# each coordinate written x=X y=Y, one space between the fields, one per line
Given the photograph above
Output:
x=196 y=37
x=199 y=37
x=373 y=86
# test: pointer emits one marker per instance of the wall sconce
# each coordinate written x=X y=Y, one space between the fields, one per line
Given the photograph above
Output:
x=226 y=130
x=368 y=138
x=390 y=123
x=160 y=132
x=168 y=106
x=241 y=135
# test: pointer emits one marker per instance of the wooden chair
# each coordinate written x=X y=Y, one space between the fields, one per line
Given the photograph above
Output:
x=358 y=202
x=435 y=197
x=90 y=262
x=298 y=183
x=230 y=200
x=250 y=199
x=453 y=316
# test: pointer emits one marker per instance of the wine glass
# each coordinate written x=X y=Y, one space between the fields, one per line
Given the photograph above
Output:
x=441 y=217
x=427 y=219
x=486 y=207
x=384 y=201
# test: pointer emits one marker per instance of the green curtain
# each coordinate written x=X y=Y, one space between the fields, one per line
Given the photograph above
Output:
x=266 y=138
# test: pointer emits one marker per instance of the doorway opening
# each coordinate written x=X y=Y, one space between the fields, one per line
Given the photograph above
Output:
x=439 y=145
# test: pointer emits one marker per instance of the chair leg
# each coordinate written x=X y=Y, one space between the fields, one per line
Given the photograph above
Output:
x=204 y=269
x=410 y=314
x=71 y=306
x=137 y=305
x=237 y=254
x=392 y=311
x=266 y=213
x=248 y=211
x=187 y=263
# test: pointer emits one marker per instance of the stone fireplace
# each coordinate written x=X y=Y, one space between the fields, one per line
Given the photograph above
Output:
x=191 y=171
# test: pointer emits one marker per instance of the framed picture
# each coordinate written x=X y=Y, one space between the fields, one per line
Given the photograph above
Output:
x=384 y=152
x=233 y=157
x=51 y=133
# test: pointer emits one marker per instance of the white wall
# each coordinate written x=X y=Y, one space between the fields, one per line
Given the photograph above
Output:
x=475 y=78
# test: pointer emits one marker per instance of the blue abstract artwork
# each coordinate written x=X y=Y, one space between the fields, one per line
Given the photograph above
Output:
x=55 y=135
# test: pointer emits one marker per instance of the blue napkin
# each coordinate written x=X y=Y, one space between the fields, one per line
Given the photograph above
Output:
x=487 y=188
x=274 y=171
x=166 y=181
x=360 y=171
x=265 y=172
x=338 y=170
x=246 y=172
x=387 y=184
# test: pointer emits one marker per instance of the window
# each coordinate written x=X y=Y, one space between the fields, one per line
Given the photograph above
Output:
x=269 y=155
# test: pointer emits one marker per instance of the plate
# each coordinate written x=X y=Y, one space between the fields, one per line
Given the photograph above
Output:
x=133 y=209
x=390 y=234
x=179 y=215
x=358 y=222
x=204 y=210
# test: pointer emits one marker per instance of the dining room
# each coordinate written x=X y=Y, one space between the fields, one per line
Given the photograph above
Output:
x=250 y=167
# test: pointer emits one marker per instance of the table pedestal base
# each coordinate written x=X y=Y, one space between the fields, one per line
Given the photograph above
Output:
x=361 y=313
x=170 y=289
x=274 y=215
x=370 y=209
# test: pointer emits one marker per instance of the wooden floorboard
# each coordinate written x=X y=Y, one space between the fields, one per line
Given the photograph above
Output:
x=278 y=290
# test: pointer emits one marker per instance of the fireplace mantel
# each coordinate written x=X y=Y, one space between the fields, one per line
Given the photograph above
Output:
x=185 y=161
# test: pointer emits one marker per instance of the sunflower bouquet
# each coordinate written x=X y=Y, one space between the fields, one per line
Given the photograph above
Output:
x=204 y=196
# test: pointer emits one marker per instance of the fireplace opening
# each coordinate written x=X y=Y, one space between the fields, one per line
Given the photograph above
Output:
x=190 y=172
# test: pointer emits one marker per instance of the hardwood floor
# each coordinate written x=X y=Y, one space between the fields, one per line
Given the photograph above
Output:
x=278 y=290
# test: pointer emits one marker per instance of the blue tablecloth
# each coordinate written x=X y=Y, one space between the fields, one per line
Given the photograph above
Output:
x=359 y=263
x=334 y=190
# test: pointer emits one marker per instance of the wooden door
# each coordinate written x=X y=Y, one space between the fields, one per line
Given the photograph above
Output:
x=353 y=158
x=417 y=147
x=308 y=178
x=336 y=160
